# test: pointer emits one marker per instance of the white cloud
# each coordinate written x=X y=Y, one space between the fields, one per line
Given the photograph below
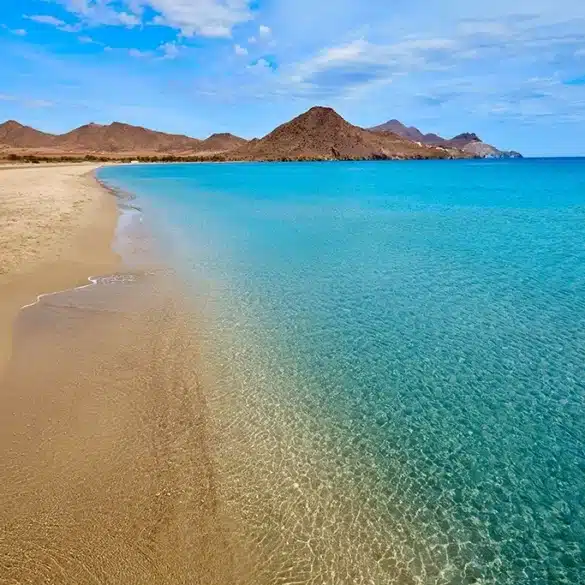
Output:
x=363 y=53
x=260 y=66
x=252 y=40
x=211 y=18
x=170 y=50
x=138 y=54
x=19 y=31
x=264 y=30
x=128 y=20
x=353 y=51
x=239 y=50
x=47 y=19
x=101 y=12
x=361 y=63
x=52 y=21
x=470 y=47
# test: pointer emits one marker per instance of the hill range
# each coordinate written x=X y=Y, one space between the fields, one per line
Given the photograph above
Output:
x=468 y=142
x=318 y=134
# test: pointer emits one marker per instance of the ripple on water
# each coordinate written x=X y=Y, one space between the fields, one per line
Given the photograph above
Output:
x=395 y=373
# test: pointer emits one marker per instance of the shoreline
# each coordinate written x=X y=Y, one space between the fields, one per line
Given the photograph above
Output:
x=60 y=230
x=106 y=462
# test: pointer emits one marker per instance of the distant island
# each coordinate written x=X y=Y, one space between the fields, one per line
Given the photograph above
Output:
x=318 y=134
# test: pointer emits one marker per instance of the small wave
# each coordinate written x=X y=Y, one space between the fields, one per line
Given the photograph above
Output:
x=92 y=280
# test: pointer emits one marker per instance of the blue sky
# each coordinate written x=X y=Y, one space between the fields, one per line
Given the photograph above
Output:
x=512 y=71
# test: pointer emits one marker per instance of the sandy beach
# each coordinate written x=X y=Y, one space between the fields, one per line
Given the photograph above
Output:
x=57 y=226
x=106 y=471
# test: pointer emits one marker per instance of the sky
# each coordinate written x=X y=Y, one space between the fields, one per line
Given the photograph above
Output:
x=513 y=71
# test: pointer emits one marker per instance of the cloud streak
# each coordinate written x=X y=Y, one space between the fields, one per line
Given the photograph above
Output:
x=27 y=102
x=52 y=21
x=513 y=44
x=208 y=18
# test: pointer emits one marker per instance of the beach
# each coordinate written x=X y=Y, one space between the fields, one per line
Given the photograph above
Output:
x=57 y=229
x=271 y=384
x=105 y=463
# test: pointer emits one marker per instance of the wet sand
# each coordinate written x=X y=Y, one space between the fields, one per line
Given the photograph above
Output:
x=105 y=466
x=56 y=229
x=106 y=471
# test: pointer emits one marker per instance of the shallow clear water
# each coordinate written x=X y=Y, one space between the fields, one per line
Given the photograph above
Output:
x=394 y=356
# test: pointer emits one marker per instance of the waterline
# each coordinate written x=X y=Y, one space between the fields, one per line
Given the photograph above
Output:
x=391 y=356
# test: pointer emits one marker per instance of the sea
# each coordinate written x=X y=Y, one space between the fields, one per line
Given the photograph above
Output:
x=393 y=359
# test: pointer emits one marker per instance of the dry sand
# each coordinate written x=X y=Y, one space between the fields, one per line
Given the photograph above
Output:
x=56 y=230
x=106 y=471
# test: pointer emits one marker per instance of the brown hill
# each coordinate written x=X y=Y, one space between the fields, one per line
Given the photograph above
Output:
x=222 y=142
x=111 y=139
x=119 y=137
x=16 y=135
x=468 y=143
x=409 y=132
x=318 y=134
x=322 y=134
x=462 y=140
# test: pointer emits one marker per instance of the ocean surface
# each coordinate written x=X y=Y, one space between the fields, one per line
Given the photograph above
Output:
x=393 y=356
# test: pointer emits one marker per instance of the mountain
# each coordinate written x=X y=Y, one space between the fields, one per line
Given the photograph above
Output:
x=119 y=137
x=409 y=132
x=111 y=139
x=462 y=140
x=222 y=142
x=468 y=142
x=318 y=134
x=473 y=145
x=16 y=135
x=322 y=134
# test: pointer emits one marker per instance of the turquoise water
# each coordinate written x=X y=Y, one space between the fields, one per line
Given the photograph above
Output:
x=394 y=356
